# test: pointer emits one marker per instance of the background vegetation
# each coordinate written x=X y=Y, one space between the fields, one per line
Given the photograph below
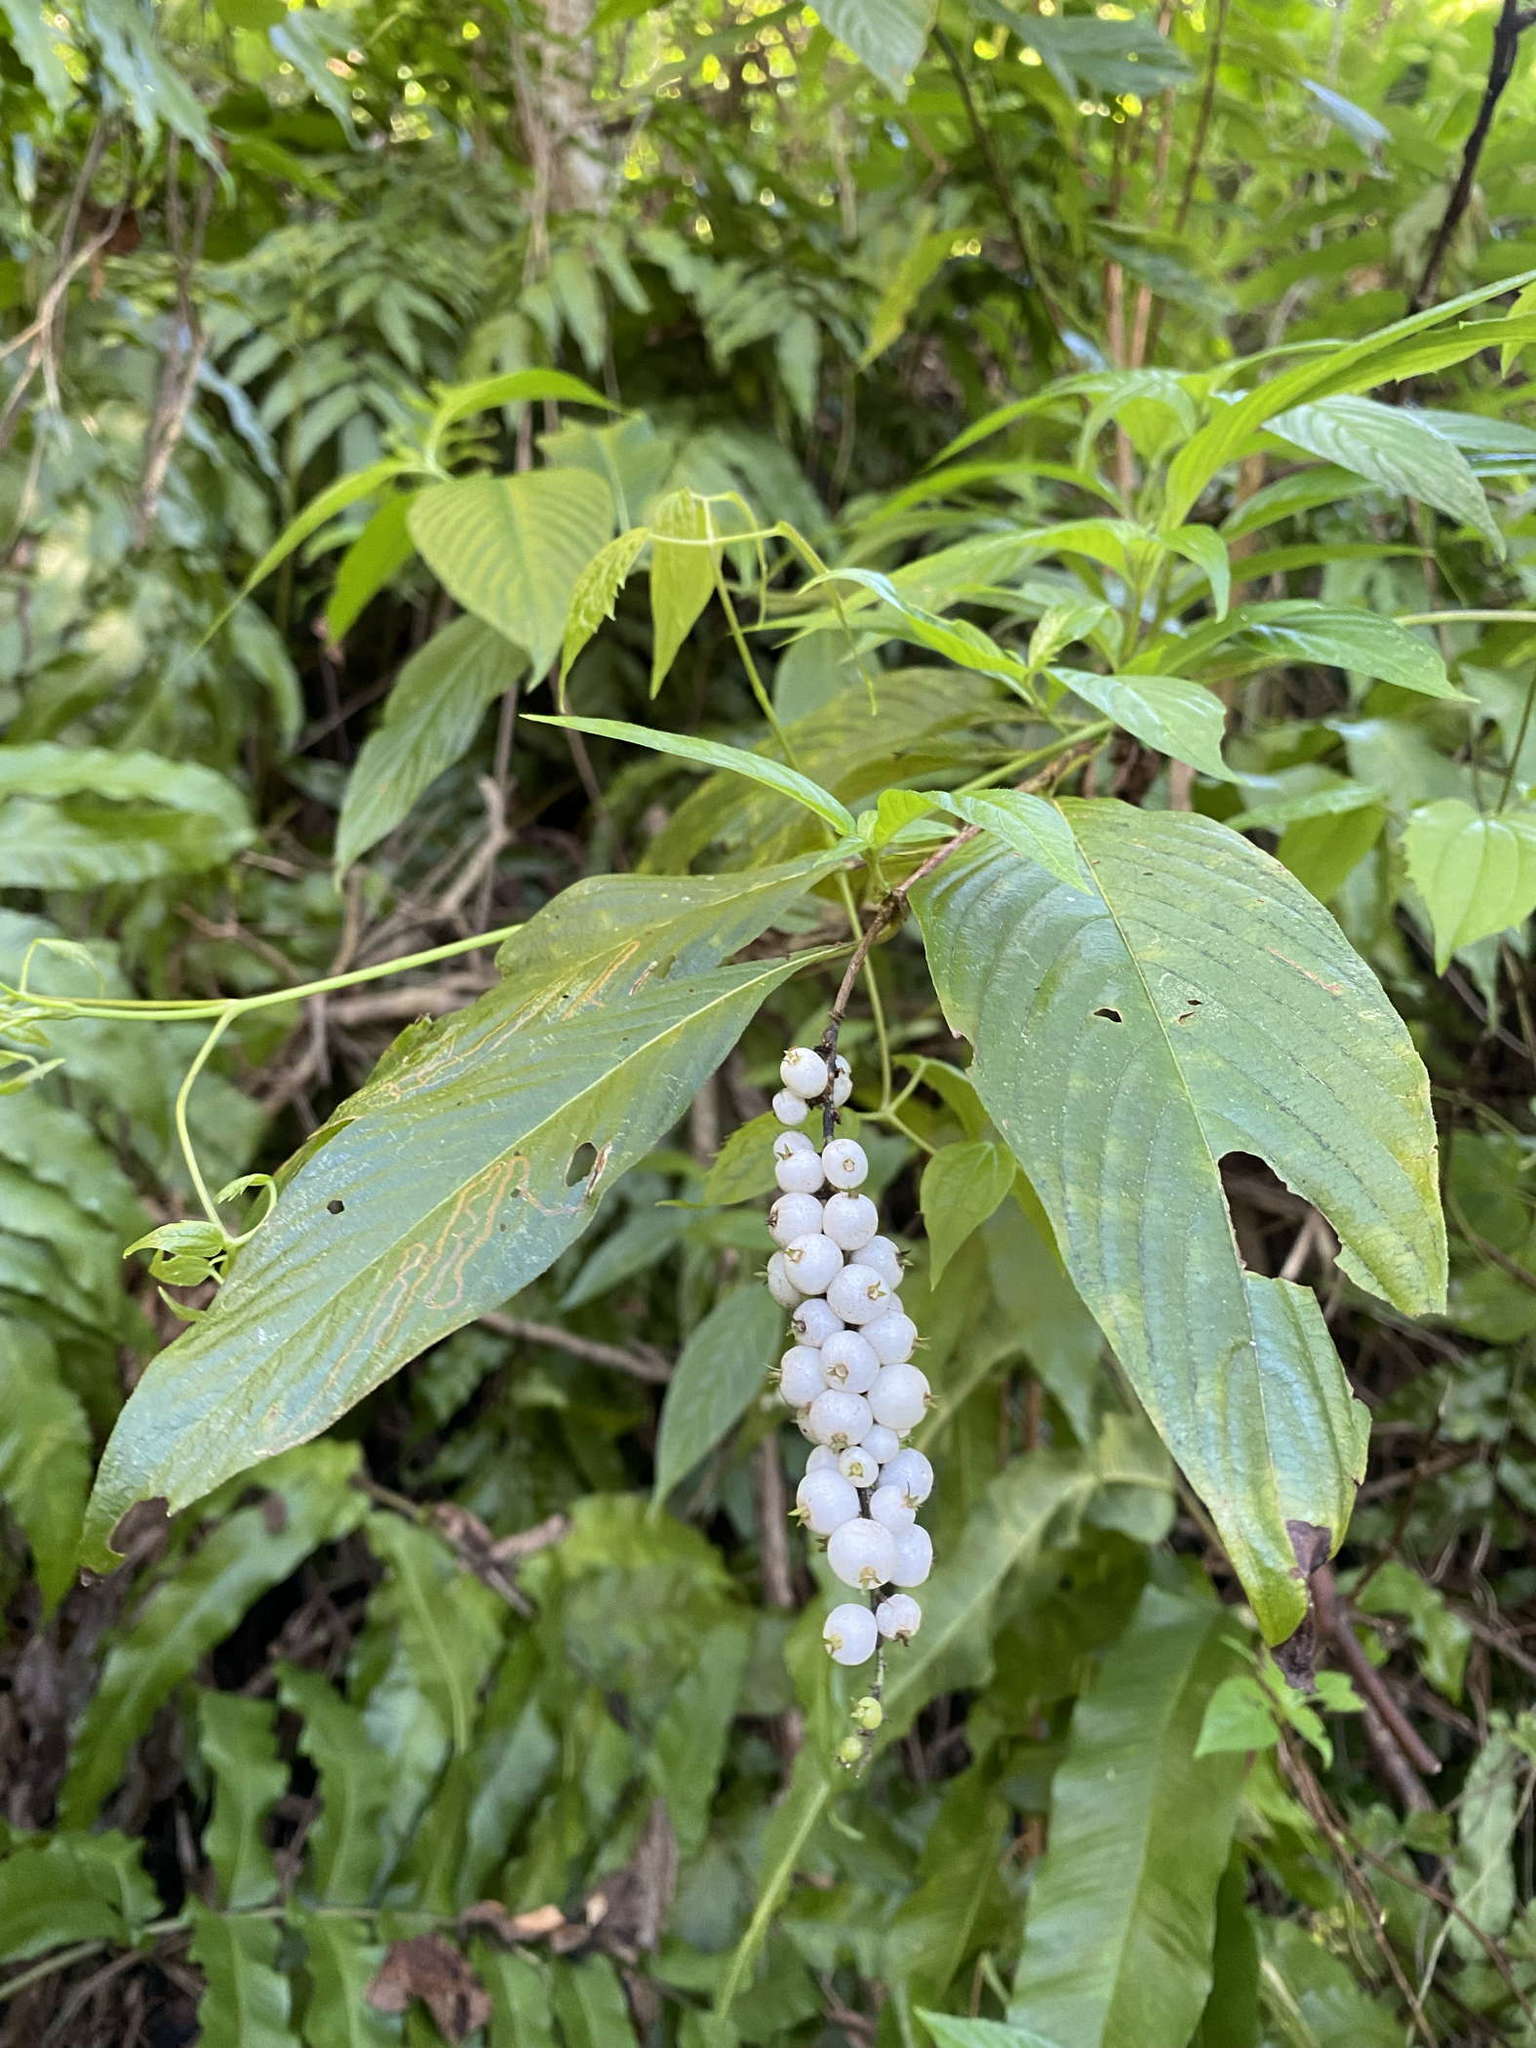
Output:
x=496 y=1713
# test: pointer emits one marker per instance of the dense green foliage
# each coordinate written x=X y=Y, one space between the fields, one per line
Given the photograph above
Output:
x=536 y=536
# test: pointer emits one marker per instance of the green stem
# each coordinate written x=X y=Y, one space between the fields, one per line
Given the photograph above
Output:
x=183 y=1096
x=1468 y=618
x=1099 y=729
x=1519 y=744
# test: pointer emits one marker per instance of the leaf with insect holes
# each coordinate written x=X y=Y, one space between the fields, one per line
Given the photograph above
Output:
x=473 y=1156
x=1199 y=1002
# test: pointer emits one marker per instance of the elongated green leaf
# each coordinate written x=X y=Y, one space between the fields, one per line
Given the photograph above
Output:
x=682 y=575
x=590 y=2005
x=1009 y=1526
x=889 y=35
x=957 y=639
x=522 y=2013
x=65 y=1887
x=1476 y=872
x=1028 y=824
x=710 y=754
x=961 y=1186
x=949 y=2032
x=1393 y=448
x=957 y=1905
x=246 y=2003
x=1483 y=1872
x=1200 y=1002
x=1122 y=1914
x=722 y=1369
x=1166 y=712
x=469 y=1162
x=198 y=1607
x=336 y=497
x=340 y=1962
x=430 y=721
x=1362 y=642
x=447 y=1623
x=596 y=592
x=343 y=1849
x=1314 y=1995
x=238 y=1741
x=511 y=549
x=1341 y=368
x=75 y=817
x=380 y=551
x=45 y=1454
x=457 y=402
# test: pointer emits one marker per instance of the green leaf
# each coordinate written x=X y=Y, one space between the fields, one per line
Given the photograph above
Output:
x=35 y=36
x=1316 y=1995
x=344 y=1849
x=340 y=1962
x=957 y=639
x=511 y=549
x=743 y=1167
x=238 y=1741
x=45 y=1455
x=1165 y=712
x=723 y=1368
x=590 y=2005
x=961 y=1186
x=949 y=2032
x=336 y=497
x=1445 y=1639
x=1206 y=548
x=379 y=552
x=1476 y=872
x=76 y=817
x=522 y=2014
x=457 y=402
x=1340 y=367
x=447 y=1623
x=429 y=723
x=66 y=1887
x=1122 y=1912
x=311 y=39
x=710 y=754
x=597 y=592
x=682 y=575
x=1393 y=448
x=190 y=1612
x=1482 y=1871
x=887 y=35
x=1199 y=1003
x=1238 y=1717
x=1362 y=642
x=957 y=1904
x=1030 y=826
x=919 y=264
x=246 y=2003
x=470 y=1161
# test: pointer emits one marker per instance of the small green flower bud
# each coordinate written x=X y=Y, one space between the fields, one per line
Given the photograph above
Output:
x=867 y=1713
x=850 y=1752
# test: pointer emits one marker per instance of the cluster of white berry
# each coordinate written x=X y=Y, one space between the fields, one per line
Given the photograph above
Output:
x=848 y=1373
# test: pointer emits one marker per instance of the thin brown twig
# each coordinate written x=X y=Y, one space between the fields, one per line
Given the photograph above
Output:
x=641 y=1365
x=1334 y=1623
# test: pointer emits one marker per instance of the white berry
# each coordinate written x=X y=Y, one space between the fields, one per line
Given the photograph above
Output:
x=838 y=1419
x=790 y=1108
x=801 y=1378
x=899 y=1617
x=863 y=1554
x=891 y=1337
x=843 y=1162
x=848 y=1362
x=899 y=1397
x=813 y=1322
x=884 y=1257
x=888 y=1505
x=911 y=1471
x=804 y=1073
x=827 y=1500
x=799 y=1173
x=814 y=1262
x=914 y=1555
x=787 y=1143
x=850 y=1220
x=858 y=1294
x=780 y=1285
x=850 y=1634
x=861 y=1467
x=821 y=1459
x=842 y=1081
x=881 y=1442
x=792 y=1216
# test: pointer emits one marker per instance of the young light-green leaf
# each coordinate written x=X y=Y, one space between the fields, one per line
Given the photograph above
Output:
x=711 y=754
x=1166 y=713
x=961 y=1186
x=1475 y=871
x=1199 y=1002
x=682 y=575
x=597 y=590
